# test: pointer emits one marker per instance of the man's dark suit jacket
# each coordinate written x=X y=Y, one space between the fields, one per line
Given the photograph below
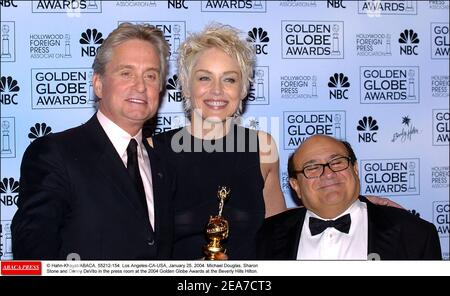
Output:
x=76 y=196
x=393 y=234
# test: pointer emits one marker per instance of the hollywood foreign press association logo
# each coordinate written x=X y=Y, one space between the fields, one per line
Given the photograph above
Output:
x=39 y=130
x=299 y=126
x=441 y=217
x=312 y=39
x=258 y=94
x=9 y=189
x=376 y=8
x=439 y=4
x=373 y=44
x=90 y=40
x=9 y=88
x=8 y=137
x=50 y=46
x=298 y=86
x=136 y=3
x=441 y=127
x=259 y=6
x=72 y=8
x=339 y=85
x=440 y=85
x=8 y=42
x=173 y=88
x=407 y=132
x=260 y=40
x=389 y=85
x=440 y=177
x=408 y=42
x=5 y=240
x=391 y=177
x=440 y=41
x=367 y=129
x=298 y=4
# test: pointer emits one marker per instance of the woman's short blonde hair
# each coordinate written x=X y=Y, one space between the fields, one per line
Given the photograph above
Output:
x=223 y=37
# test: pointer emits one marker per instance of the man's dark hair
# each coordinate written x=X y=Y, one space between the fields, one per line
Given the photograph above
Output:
x=291 y=166
x=350 y=151
x=348 y=147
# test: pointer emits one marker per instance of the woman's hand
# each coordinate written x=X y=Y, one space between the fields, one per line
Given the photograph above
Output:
x=384 y=201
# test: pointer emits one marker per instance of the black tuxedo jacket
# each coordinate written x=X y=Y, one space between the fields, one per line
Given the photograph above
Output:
x=393 y=234
x=76 y=196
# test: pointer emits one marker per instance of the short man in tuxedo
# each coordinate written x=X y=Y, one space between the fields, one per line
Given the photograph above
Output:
x=98 y=191
x=336 y=222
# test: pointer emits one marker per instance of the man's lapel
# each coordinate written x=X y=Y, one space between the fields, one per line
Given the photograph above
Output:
x=286 y=235
x=383 y=234
x=295 y=235
x=112 y=169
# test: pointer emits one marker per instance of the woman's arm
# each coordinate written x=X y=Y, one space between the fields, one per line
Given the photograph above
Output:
x=269 y=164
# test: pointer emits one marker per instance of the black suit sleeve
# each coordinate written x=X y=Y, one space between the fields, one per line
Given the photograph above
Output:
x=432 y=249
x=42 y=204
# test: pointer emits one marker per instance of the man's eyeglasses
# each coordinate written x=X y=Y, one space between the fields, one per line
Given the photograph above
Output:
x=316 y=170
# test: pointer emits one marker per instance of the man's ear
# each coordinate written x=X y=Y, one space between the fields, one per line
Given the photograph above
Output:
x=98 y=85
x=355 y=168
x=294 y=184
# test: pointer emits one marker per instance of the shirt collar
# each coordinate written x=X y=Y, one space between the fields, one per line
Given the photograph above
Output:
x=119 y=138
x=350 y=210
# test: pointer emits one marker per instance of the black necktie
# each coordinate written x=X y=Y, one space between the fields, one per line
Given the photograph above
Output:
x=133 y=170
x=318 y=225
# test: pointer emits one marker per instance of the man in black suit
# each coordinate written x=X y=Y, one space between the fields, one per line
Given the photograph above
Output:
x=98 y=191
x=336 y=222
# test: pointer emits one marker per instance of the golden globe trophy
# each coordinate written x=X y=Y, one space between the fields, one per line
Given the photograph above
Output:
x=217 y=228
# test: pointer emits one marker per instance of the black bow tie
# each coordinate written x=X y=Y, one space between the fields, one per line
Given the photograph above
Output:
x=318 y=225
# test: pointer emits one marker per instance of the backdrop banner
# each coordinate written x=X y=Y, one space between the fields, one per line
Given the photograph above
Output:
x=375 y=73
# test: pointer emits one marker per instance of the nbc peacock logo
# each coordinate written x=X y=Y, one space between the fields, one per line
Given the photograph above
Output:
x=39 y=130
x=409 y=41
x=8 y=3
x=339 y=85
x=338 y=80
x=367 y=128
x=172 y=83
x=408 y=36
x=9 y=190
x=8 y=90
x=259 y=37
x=9 y=185
x=173 y=90
x=91 y=39
x=367 y=124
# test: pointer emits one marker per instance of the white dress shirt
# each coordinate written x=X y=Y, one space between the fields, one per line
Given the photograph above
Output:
x=332 y=244
x=120 y=139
